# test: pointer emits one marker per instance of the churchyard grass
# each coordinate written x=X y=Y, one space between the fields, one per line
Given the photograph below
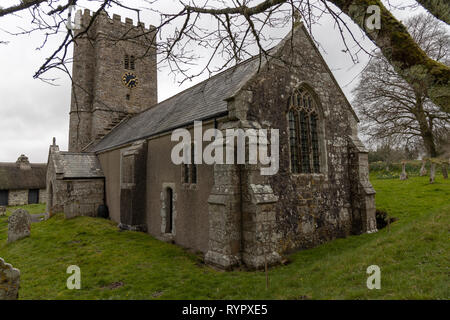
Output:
x=413 y=256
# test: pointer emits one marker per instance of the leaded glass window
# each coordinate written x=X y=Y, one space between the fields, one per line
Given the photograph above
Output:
x=293 y=141
x=303 y=133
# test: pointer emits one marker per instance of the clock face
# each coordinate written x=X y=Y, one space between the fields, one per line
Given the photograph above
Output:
x=130 y=80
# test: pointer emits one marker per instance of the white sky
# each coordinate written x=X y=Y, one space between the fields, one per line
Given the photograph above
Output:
x=32 y=112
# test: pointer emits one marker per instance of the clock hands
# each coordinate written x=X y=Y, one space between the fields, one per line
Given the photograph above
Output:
x=130 y=80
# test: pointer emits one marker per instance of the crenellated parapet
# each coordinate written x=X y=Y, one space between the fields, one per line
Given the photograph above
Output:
x=111 y=25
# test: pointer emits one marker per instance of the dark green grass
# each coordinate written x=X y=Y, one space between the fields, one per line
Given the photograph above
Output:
x=413 y=257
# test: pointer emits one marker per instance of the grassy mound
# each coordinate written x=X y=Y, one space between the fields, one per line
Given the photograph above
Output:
x=413 y=256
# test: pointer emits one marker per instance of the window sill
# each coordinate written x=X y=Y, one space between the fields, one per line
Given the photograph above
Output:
x=310 y=175
x=190 y=186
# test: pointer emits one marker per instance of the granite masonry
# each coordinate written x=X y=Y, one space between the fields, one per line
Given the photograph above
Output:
x=9 y=281
x=19 y=225
x=230 y=212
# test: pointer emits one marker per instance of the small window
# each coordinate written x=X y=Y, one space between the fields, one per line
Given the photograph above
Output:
x=190 y=170
x=132 y=63
x=169 y=210
x=185 y=173
x=193 y=165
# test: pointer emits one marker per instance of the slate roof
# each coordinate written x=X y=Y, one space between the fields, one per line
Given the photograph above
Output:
x=77 y=165
x=200 y=102
x=203 y=101
x=14 y=178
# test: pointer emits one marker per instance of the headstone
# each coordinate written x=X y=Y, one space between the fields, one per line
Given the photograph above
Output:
x=403 y=175
x=9 y=281
x=423 y=169
x=19 y=225
x=432 y=172
x=2 y=211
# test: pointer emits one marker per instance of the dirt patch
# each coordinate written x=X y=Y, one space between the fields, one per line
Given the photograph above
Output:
x=157 y=294
x=114 y=285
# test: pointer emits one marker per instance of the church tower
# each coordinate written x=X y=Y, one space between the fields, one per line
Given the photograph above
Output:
x=114 y=76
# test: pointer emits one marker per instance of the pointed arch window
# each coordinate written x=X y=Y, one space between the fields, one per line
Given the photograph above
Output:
x=303 y=121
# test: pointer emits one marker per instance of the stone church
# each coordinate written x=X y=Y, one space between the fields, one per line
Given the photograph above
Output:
x=120 y=145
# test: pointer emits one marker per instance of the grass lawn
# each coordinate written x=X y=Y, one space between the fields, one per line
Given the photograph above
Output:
x=413 y=257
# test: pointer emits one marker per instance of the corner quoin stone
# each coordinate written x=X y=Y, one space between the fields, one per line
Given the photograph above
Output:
x=19 y=225
x=9 y=281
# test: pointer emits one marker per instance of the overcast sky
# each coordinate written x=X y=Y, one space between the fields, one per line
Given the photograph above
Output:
x=32 y=112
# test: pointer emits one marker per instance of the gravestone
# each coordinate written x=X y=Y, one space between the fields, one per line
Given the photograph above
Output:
x=432 y=172
x=403 y=175
x=9 y=281
x=2 y=211
x=423 y=169
x=19 y=225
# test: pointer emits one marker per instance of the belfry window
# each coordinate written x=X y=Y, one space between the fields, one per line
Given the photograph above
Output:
x=129 y=62
x=303 y=122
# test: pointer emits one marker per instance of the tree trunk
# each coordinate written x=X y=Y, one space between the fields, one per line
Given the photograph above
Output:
x=438 y=8
x=423 y=169
x=432 y=172
x=402 y=52
x=403 y=175
x=444 y=171
x=426 y=131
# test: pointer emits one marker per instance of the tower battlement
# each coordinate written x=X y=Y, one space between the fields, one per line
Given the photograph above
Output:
x=114 y=75
x=115 y=20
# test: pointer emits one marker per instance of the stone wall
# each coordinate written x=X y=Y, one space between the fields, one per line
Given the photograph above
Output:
x=42 y=196
x=20 y=197
x=75 y=196
x=17 y=197
x=312 y=208
x=83 y=197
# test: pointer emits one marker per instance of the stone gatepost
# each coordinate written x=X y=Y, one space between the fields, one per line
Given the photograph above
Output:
x=362 y=192
x=9 y=281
